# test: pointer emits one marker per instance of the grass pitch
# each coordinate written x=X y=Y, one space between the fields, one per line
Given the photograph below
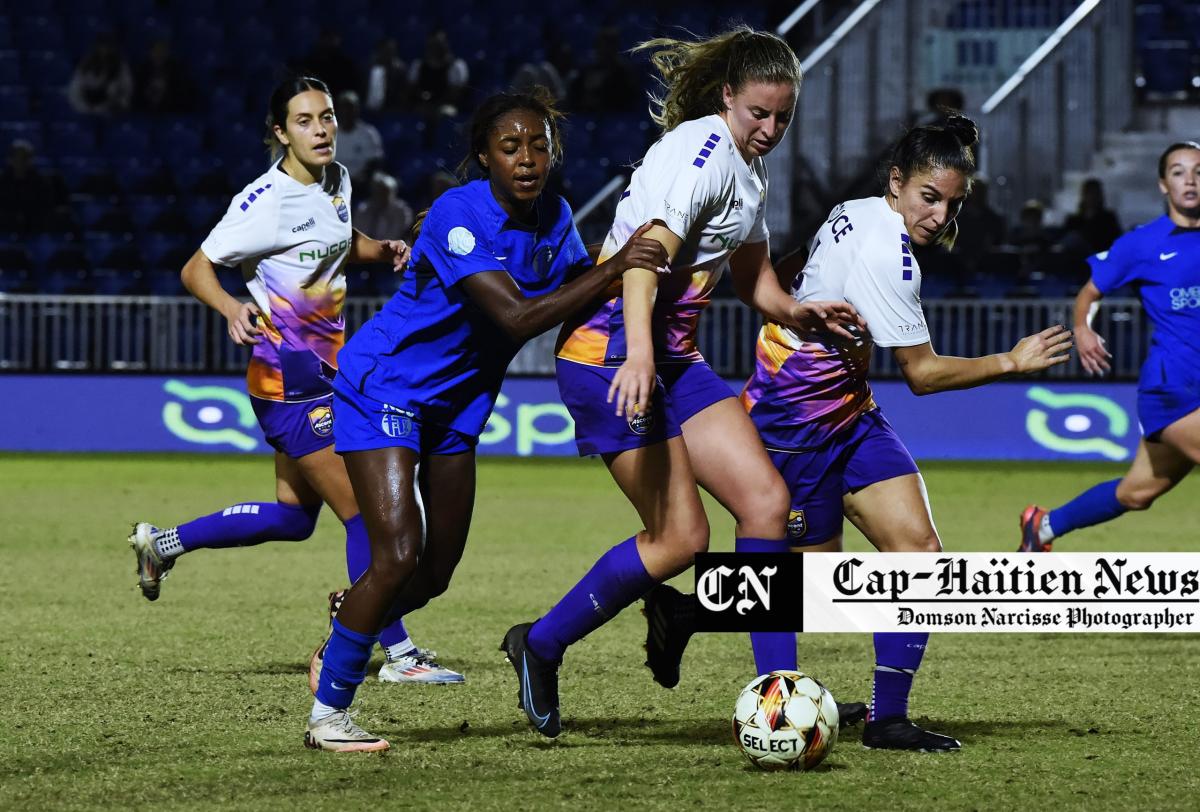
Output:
x=198 y=701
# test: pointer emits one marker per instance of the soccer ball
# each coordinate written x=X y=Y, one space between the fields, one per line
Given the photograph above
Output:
x=785 y=720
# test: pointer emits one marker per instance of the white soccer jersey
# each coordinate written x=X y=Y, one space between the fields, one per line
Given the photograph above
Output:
x=862 y=255
x=290 y=240
x=696 y=182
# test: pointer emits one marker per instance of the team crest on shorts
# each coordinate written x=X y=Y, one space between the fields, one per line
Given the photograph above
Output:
x=796 y=526
x=395 y=425
x=641 y=423
x=343 y=210
x=321 y=420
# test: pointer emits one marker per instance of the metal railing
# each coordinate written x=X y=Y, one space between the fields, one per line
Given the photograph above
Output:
x=1049 y=117
x=180 y=335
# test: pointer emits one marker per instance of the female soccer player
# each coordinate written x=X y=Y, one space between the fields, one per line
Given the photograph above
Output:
x=811 y=403
x=1162 y=258
x=496 y=263
x=676 y=424
x=290 y=232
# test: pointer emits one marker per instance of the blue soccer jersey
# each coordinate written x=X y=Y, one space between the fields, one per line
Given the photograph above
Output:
x=1161 y=260
x=432 y=352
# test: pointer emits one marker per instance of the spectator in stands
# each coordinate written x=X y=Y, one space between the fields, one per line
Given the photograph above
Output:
x=540 y=74
x=1030 y=235
x=162 y=85
x=981 y=228
x=1092 y=228
x=383 y=213
x=102 y=83
x=32 y=200
x=359 y=147
x=438 y=78
x=608 y=83
x=328 y=61
x=437 y=183
x=940 y=104
x=387 y=78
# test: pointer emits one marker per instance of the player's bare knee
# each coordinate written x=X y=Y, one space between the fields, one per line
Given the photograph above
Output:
x=765 y=512
x=393 y=565
x=1137 y=498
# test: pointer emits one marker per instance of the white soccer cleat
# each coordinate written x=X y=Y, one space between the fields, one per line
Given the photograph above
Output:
x=420 y=666
x=338 y=733
x=151 y=567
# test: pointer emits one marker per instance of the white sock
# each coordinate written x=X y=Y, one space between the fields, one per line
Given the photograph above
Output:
x=404 y=648
x=167 y=545
x=1045 y=533
x=320 y=710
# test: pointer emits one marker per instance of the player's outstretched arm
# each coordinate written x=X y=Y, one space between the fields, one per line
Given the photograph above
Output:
x=1093 y=356
x=363 y=249
x=756 y=283
x=200 y=278
x=523 y=317
x=927 y=372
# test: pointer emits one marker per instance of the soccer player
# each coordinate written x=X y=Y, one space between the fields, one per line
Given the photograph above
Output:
x=811 y=403
x=1162 y=258
x=629 y=371
x=290 y=232
x=496 y=263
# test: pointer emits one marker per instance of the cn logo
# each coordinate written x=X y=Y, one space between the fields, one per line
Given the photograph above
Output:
x=749 y=592
x=713 y=588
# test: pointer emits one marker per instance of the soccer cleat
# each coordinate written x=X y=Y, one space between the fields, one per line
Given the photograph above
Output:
x=338 y=733
x=537 y=693
x=420 y=666
x=1031 y=523
x=151 y=567
x=668 y=630
x=318 y=656
x=851 y=713
x=899 y=733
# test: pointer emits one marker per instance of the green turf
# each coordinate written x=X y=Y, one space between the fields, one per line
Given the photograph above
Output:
x=198 y=701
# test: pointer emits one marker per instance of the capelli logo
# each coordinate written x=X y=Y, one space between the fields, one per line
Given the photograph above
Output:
x=743 y=592
x=311 y=222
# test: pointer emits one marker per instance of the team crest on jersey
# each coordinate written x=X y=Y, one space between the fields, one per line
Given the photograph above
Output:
x=460 y=241
x=796 y=526
x=641 y=423
x=543 y=258
x=343 y=211
x=321 y=420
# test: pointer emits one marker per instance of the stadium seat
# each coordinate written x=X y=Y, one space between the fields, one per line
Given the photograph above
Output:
x=14 y=100
x=10 y=67
x=1166 y=66
x=71 y=137
x=164 y=282
x=41 y=33
x=47 y=68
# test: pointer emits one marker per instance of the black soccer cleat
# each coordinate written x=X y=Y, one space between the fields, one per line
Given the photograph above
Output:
x=670 y=623
x=899 y=733
x=851 y=713
x=537 y=691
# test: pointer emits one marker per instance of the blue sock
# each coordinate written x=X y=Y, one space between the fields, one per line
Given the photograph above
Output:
x=358 y=558
x=618 y=579
x=897 y=658
x=773 y=651
x=1095 y=505
x=345 y=665
x=249 y=524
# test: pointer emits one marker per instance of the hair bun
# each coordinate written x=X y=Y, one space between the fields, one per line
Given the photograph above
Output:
x=963 y=129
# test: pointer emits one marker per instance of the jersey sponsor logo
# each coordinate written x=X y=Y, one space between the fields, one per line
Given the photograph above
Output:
x=709 y=146
x=796 y=525
x=253 y=196
x=343 y=211
x=728 y=243
x=839 y=223
x=1185 y=298
x=321 y=421
x=1165 y=257
x=460 y=241
x=681 y=216
x=737 y=204
x=311 y=222
x=331 y=250
x=641 y=423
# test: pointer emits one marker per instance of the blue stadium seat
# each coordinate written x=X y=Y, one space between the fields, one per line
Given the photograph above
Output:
x=47 y=68
x=144 y=210
x=10 y=67
x=1167 y=66
x=40 y=33
x=14 y=100
x=202 y=212
x=14 y=257
x=71 y=137
x=164 y=282
x=400 y=133
x=165 y=250
x=127 y=137
x=30 y=131
x=108 y=250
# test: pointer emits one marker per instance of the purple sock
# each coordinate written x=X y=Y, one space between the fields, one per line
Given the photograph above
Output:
x=248 y=524
x=358 y=558
x=897 y=658
x=345 y=666
x=618 y=579
x=1095 y=505
x=773 y=651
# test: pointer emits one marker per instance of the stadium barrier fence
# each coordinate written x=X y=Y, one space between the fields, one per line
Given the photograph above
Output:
x=179 y=335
